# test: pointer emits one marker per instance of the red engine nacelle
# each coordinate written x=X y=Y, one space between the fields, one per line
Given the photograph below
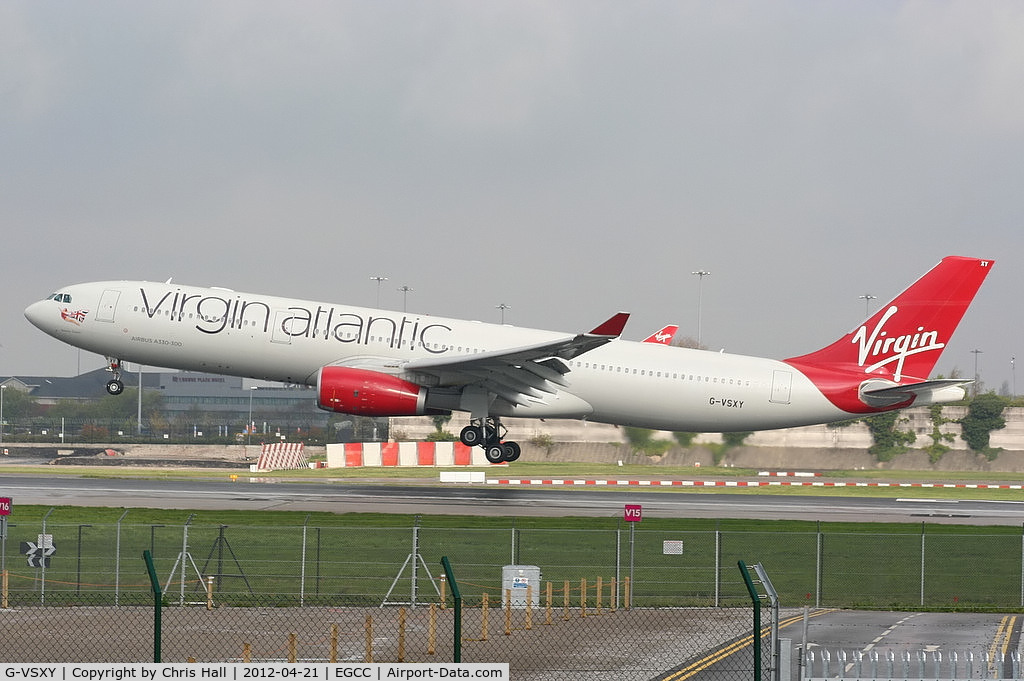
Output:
x=368 y=393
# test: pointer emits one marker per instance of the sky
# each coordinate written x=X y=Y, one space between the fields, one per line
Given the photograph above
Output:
x=566 y=159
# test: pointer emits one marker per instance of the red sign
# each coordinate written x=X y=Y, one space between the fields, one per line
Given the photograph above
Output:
x=5 y=505
x=633 y=513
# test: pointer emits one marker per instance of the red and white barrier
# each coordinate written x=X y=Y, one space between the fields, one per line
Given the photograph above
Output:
x=277 y=456
x=403 y=454
x=738 y=483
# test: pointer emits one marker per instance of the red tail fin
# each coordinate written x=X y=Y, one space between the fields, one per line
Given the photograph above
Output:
x=663 y=336
x=903 y=340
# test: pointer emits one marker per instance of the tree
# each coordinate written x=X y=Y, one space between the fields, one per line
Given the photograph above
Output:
x=889 y=441
x=984 y=414
x=18 y=404
x=642 y=440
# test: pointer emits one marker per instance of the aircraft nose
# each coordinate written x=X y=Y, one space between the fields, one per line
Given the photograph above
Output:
x=39 y=313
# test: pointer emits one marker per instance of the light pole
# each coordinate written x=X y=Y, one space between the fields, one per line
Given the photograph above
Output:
x=1013 y=376
x=976 y=353
x=248 y=424
x=700 y=296
x=379 y=281
x=138 y=416
x=867 y=298
x=503 y=307
x=405 y=296
x=2 y=389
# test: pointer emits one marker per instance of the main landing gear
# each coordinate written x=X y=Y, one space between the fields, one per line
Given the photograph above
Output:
x=487 y=433
x=114 y=385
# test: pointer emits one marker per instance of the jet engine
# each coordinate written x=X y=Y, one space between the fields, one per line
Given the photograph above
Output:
x=369 y=393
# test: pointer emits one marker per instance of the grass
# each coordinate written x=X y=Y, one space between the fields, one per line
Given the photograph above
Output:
x=266 y=557
x=269 y=558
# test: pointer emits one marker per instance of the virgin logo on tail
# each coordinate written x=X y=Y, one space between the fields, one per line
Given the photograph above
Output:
x=879 y=344
x=900 y=342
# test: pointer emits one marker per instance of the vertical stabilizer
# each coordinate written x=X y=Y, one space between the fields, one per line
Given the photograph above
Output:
x=902 y=342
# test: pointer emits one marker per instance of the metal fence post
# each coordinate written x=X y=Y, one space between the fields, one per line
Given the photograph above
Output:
x=43 y=559
x=117 y=560
x=302 y=564
x=618 y=558
x=457 y=598
x=718 y=567
x=157 y=604
x=818 y=569
x=756 y=602
x=922 y=563
x=632 y=546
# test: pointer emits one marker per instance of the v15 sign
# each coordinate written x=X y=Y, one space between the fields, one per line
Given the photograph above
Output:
x=633 y=513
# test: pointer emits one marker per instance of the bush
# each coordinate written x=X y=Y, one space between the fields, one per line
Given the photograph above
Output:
x=642 y=441
x=984 y=414
x=889 y=441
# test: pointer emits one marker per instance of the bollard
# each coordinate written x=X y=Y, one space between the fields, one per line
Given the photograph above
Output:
x=432 y=630
x=508 y=612
x=209 y=593
x=293 y=647
x=444 y=586
x=246 y=653
x=627 y=594
x=4 y=591
x=483 y=618
x=597 y=604
x=368 y=655
x=613 y=587
x=583 y=597
x=334 y=643
x=565 y=601
x=401 y=634
x=547 y=614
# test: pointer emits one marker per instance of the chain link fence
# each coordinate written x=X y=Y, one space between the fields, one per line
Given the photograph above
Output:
x=625 y=603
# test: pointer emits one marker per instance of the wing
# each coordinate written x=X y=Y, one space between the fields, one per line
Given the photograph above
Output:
x=521 y=374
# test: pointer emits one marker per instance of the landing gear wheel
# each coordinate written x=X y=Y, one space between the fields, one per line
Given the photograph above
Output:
x=495 y=453
x=512 y=451
x=115 y=387
x=471 y=436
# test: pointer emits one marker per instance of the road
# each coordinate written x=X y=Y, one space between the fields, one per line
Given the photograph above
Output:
x=869 y=644
x=344 y=497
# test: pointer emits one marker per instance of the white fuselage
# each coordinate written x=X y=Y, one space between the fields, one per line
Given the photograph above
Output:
x=242 y=334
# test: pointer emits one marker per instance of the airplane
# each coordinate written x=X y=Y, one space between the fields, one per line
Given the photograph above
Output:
x=663 y=336
x=376 y=362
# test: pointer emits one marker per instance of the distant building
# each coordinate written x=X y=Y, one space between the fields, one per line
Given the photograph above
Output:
x=193 y=402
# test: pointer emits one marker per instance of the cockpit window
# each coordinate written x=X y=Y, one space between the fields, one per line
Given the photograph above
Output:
x=60 y=297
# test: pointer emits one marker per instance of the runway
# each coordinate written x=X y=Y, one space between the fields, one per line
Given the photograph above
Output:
x=346 y=497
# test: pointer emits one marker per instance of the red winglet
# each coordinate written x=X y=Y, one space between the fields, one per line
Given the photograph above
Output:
x=612 y=327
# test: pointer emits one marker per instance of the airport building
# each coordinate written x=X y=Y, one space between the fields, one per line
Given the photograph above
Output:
x=181 y=404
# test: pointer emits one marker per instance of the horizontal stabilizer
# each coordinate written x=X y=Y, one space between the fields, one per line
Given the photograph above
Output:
x=937 y=391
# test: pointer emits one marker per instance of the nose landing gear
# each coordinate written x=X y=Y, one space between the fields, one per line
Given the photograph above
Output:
x=114 y=386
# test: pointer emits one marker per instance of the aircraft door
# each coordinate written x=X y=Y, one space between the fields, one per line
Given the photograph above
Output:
x=782 y=387
x=108 y=304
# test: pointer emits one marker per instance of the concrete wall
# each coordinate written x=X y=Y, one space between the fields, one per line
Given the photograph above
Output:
x=813 y=437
